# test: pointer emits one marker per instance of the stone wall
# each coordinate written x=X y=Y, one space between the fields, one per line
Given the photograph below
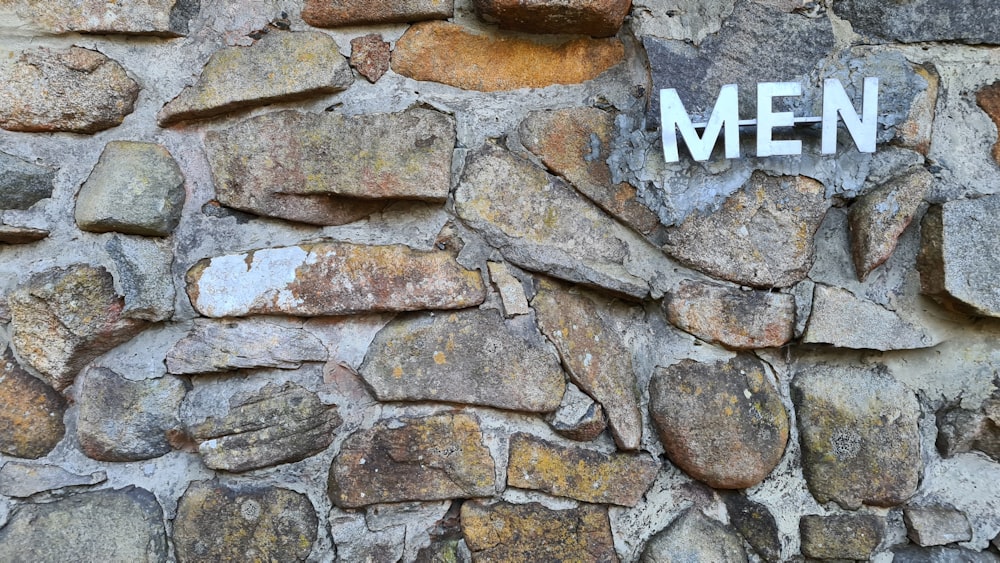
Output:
x=382 y=281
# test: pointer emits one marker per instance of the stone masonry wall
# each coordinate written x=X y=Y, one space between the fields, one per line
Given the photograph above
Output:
x=317 y=280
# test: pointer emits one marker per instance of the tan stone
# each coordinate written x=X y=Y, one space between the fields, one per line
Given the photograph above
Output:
x=31 y=413
x=165 y=18
x=21 y=235
x=989 y=99
x=450 y=54
x=334 y=13
x=600 y=18
x=731 y=317
x=915 y=132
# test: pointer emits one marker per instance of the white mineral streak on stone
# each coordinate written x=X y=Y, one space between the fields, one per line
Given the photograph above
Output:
x=265 y=278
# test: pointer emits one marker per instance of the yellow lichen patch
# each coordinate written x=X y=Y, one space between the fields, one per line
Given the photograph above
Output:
x=439 y=357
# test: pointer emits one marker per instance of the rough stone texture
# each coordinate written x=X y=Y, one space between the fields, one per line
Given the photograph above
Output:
x=259 y=163
x=221 y=522
x=841 y=318
x=279 y=67
x=879 y=217
x=64 y=318
x=579 y=417
x=756 y=524
x=915 y=21
x=436 y=457
x=136 y=188
x=108 y=525
x=470 y=357
x=989 y=100
x=370 y=56
x=576 y=143
x=599 y=18
x=21 y=235
x=164 y=18
x=144 y=273
x=859 y=436
x=582 y=474
x=842 y=536
x=915 y=132
x=678 y=19
x=258 y=428
x=722 y=423
x=75 y=90
x=694 y=538
x=531 y=532
x=450 y=54
x=31 y=413
x=331 y=279
x=595 y=355
x=960 y=242
x=510 y=289
x=914 y=554
x=21 y=480
x=335 y=13
x=962 y=430
x=732 y=317
x=123 y=420
x=936 y=525
x=761 y=237
x=23 y=184
x=540 y=223
x=217 y=346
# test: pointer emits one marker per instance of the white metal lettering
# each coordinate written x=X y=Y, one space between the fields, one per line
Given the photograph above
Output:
x=835 y=101
x=768 y=119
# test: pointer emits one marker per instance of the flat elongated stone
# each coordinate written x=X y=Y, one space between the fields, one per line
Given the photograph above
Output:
x=599 y=18
x=595 y=356
x=331 y=279
x=841 y=536
x=722 y=423
x=31 y=412
x=335 y=13
x=859 y=435
x=471 y=357
x=531 y=532
x=19 y=479
x=694 y=538
x=579 y=473
x=165 y=18
x=913 y=554
x=75 y=90
x=840 y=318
x=217 y=346
x=936 y=525
x=23 y=184
x=221 y=522
x=431 y=458
x=280 y=66
x=989 y=99
x=450 y=54
x=21 y=235
x=967 y=21
x=736 y=319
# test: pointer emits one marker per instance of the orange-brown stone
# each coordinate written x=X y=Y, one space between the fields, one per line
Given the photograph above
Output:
x=989 y=99
x=334 y=13
x=31 y=412
x=600 y=18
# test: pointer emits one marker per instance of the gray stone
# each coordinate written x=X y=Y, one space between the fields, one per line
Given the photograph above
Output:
x=21 y=480
x=936 y=525
x=256 y=427
x=327 y=13
x=21 y=235
x=107 y=525
x=471 y=356
x=222 y=522
x=136 y=188
x=914 y=554
x=694 y=538
x=123 y=420
x=960 y=242
x=578 y=417
x=215 y=346
x=143 y=268
x=23 y=184
x=75 y=90
x=842 y=536
x=31 y=412
x=598 y=18
x=961 y=430
x=510 y=289
x=841 y=318
x=966 y=21
x=279 y=67
x=164 y=18
x=859 y=436
x=679 y=19
x=755 y=523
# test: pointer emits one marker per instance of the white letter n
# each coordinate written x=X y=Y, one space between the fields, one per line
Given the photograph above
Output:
x=835 y=101
x=673 y=116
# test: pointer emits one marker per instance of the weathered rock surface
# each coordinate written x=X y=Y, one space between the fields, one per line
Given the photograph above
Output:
x=962 y=430
x=108 y=525
x=124 y=420
x=578 y=417
x=511 y=291
x=576 y=143
x=257 y=427
x=841 y=318
x=842 y=536
x=278 y=67
x=75 y=90
x=23 y=184
x=913 y=554
x=579 y=473
x=936 y=525
x=450 y=54
x=960 y=241
x=694 y=538
x=327 y=13
x=64 y=318
x=879 y=217
x=542 y=224
x=761 y=237
x=756 y=524
x=599 y=18
x=288 y=164
x=221 y=522
x=331 y=279
x=31 y=412
x=731 y=317
x=916 y=21
x=859 y=436
x=370 y=56
x=531 y=532
x=144 y=273
x=136 y=188
x=435 y=457
x=21 y=480
x=915 y=132
x=164 y=18
x=722 y=423
x=224 y=345
x=21 y=235
x=595 y=355
x=470 y=357
x=989 y=99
